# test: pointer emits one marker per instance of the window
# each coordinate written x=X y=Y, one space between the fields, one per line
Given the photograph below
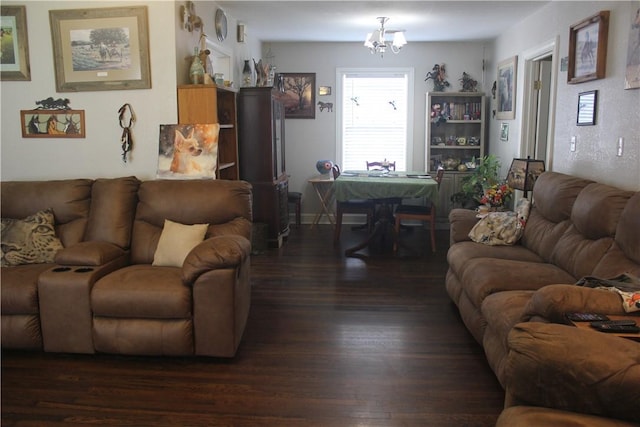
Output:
x=373 y=123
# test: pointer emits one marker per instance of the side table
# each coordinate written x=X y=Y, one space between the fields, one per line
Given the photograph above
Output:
x=324 y=190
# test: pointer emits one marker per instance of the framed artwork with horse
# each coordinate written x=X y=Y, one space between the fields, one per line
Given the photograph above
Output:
x=588 y=48
x=101 y=49
x=59 y=123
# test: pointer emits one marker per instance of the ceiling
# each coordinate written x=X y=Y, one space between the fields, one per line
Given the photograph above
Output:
x=350 y=21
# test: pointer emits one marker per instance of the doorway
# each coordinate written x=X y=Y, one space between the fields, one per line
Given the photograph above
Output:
x=541 y=72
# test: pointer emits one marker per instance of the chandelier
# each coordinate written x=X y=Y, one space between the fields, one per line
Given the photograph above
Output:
x=376 y=40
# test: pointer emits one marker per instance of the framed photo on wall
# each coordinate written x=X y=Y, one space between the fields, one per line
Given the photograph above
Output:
x=587 y=105
x=299 y=96
x=588 y=48
x=101 y=49
x=14 y=63
x=506 y=89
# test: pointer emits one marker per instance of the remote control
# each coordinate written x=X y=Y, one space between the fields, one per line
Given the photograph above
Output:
x=629 y=322
x=586 y=317
x=619 y=329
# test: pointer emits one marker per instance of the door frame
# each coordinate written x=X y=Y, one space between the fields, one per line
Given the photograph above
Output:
x=529 y=110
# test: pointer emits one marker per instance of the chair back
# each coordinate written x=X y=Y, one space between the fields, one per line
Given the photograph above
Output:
x=439 y=176
x=380 y=165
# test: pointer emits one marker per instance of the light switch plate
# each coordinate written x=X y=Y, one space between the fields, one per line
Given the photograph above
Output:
x=572 y=147
x=620 y=146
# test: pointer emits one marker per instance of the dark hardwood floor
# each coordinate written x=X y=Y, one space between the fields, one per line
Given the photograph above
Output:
x=330 y=341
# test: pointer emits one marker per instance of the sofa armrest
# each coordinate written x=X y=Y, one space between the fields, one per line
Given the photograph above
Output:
x=552 y=302
x=215 y=253
x=563 y=367
x=90 y=253
x=461 y=222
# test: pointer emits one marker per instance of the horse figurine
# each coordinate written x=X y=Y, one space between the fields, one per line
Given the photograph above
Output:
x=438 y=75
x=327 y=105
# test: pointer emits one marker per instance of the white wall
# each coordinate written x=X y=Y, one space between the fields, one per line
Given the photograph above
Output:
x=310 y=140
x=618 y=111
x=99 y=154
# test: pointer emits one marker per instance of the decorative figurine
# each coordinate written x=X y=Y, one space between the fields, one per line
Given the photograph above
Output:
x=468 y=84
x=438 y=75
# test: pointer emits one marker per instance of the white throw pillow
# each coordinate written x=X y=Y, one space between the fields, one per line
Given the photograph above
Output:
x=176 y=241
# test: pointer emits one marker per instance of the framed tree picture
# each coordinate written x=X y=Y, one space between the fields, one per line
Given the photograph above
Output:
x=14 y=62
x=506 y=89
x=299 y=96
x=101 y=49
x=588 y=48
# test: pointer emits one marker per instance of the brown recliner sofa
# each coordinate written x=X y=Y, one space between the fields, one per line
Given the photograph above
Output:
x=576 y=228
x=102 y=293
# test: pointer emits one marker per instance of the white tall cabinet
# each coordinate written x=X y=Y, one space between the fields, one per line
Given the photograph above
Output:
x=455 y=136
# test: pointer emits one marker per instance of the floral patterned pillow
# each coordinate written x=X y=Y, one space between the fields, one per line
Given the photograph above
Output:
x=502 y=228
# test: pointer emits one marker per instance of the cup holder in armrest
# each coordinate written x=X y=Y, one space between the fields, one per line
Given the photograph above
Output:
x=83 y=270
x=61 y=269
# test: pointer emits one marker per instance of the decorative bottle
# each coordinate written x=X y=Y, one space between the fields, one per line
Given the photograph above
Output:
x=196 y=71
x=246 y=74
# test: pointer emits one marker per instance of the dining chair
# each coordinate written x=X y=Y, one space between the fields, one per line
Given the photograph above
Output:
x=425 y=213
x=381 y=165
x=392 y=202
x=351 y=206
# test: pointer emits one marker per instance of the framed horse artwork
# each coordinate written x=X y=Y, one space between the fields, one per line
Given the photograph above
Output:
x=52 y=123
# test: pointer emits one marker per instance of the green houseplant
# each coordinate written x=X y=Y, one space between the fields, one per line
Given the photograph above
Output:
x=484 y=175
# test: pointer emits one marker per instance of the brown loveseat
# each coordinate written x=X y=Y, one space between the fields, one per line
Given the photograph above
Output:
x=576 y=228
x=102 y=293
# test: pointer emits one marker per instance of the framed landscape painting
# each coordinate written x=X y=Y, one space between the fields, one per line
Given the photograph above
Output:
x=101 y=49
x=299 y=97
x=506 y=89
x=14 y=61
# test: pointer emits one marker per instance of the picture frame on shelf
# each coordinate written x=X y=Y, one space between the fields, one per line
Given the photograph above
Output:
x=504 y=132
x=52 y=123
x=506 y=89
x=588 y=48
x=299 y=97
x=587 y=106
x=101 y=49
x=15 y=44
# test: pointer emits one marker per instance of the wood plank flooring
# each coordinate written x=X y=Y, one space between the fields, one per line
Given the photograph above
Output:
x=331 y=341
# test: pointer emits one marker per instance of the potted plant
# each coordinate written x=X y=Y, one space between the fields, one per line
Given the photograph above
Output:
x=484 y=175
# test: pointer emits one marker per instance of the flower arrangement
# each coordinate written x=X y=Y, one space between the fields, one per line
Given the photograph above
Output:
x=496 y=196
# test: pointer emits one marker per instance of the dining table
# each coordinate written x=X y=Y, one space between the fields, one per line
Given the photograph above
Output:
x=381 y=186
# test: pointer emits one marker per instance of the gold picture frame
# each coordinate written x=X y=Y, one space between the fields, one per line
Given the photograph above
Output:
x=588 y=48
x=506 y=89
x=15 y=44
x=52 y=123
x=101 y=49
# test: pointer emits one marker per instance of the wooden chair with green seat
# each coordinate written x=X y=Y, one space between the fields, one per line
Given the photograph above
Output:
x=351 y=206
x=425 y=213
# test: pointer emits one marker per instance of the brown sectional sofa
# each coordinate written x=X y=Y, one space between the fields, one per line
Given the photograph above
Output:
x=102 y=293
x=513 y=300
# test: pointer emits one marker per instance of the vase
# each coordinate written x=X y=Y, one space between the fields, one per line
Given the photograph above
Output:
x=246 y=74
x=196 y=71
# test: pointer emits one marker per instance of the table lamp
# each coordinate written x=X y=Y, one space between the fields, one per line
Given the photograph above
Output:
x=523 y=174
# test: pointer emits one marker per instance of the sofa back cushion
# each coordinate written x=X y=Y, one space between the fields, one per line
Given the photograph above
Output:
x=553 y=197
x=69 y=199
x=594 y=219
x=624 y=254
x=113 y=208
x=224 y=205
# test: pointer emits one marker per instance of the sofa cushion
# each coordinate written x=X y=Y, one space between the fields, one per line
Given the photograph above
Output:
x=176 y=241
x=533 y=416
x=20 y=288
x=628 y=230
x=554 y=194
x=142 y=291
x=597 y=209
x=31 y=240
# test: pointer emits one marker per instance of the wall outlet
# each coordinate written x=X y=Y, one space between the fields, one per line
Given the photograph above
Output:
x=572 y=147
x=620 y=146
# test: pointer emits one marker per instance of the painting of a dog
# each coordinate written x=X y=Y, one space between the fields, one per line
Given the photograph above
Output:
x=188 y=151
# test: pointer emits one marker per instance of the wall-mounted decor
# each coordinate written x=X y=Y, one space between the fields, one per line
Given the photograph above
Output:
x=324 y=90
x=188 y=151
x=587 y=104
x=14 y=62
x=101 y=49
x=632 y=73
x=325 y=106
x=52 y=123
x=299 y=98
x=504 y=132
x=507 y=79
x=588 y=48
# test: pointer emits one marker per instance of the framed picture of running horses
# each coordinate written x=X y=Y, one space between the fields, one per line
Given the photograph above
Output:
x=588 y=48
x=101 y=49
x=59 y=123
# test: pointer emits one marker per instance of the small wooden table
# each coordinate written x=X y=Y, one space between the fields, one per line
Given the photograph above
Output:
x=631 y=336
x=323 y=187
